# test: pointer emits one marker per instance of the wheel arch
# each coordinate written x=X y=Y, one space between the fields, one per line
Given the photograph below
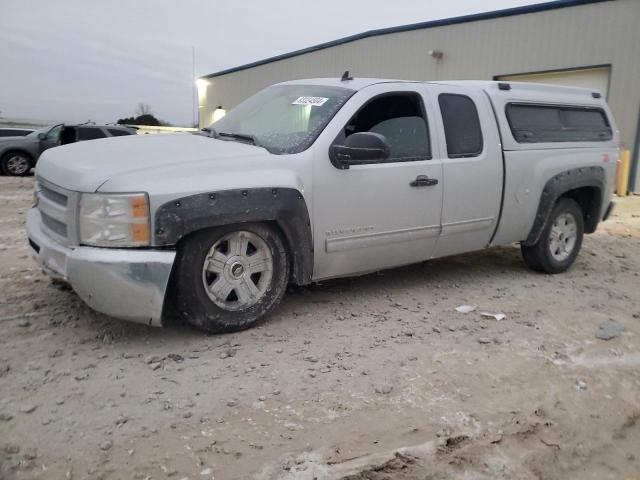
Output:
x=283 y=208
x=18 y=150
x=584 y=185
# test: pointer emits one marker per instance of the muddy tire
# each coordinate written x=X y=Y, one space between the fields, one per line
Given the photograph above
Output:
x=16 y=164
x=560 y=241
x=230 y=278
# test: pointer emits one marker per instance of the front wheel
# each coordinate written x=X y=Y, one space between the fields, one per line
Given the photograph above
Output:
x=16 y=164
x=560 y=241
x=230 y=278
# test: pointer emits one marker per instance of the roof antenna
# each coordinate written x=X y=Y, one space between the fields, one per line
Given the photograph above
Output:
x=346 y=76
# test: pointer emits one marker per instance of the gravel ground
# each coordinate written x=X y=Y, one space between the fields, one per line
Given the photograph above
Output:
x=377 y=377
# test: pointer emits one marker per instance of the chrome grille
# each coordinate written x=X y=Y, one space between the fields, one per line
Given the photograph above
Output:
x=58 y=211
x=52 y=224
x=54 y=196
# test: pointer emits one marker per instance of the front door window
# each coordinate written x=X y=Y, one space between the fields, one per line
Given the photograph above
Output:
x=400 y=118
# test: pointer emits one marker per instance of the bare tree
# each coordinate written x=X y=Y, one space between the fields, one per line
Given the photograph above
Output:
x=143 y=109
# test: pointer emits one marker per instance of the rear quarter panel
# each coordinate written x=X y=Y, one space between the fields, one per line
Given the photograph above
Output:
x=528 y=171
x=529 y=166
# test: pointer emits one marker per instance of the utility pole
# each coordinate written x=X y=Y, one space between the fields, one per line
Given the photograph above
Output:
x=194 y=100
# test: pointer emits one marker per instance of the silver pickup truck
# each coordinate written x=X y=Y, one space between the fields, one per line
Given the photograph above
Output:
x=315 y=179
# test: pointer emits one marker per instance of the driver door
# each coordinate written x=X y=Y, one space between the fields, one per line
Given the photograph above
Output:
x=51 y=139
x=383 y=214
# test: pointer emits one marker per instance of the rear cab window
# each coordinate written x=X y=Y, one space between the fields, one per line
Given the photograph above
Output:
x=538 y=123
x=462 y=129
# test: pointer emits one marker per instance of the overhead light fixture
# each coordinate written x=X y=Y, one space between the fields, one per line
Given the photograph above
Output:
x=218 y=113
x=201 y=86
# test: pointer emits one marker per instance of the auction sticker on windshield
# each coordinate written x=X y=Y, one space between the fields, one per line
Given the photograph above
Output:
x=313 y=101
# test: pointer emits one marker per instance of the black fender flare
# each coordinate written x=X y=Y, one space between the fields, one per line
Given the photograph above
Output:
x=560 y=184
x=284 y=206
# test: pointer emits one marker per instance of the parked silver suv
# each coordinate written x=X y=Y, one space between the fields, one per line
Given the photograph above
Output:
x=316 y=179
x=20 y=153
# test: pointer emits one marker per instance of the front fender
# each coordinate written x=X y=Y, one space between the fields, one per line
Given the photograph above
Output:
x=285 y=206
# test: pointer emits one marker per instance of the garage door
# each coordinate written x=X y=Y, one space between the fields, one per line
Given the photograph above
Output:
x=595 y=79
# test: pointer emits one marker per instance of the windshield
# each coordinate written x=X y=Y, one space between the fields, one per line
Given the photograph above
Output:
x=284 y=118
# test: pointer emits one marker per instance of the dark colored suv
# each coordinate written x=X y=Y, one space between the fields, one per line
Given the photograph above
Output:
x=15 y=132
x=18 y=155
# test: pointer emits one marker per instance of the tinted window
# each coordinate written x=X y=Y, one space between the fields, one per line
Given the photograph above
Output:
x=13 y=133
x=461 y=125
x=400 y=118
x=88 y=133
x=53 y=135
x=546 y=123
x=118 y=133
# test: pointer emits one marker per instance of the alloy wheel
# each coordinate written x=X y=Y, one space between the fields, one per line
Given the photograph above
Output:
x=563 y=236
x=17 y=165
x=237 y=270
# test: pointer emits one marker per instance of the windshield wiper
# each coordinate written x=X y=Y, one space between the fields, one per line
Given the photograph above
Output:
x=239 y=136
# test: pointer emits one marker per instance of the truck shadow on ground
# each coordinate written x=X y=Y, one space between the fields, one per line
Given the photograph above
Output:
x=459 y=268
x=461 y=271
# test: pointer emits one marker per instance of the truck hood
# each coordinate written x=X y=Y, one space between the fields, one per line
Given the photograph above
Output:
x=85 y=166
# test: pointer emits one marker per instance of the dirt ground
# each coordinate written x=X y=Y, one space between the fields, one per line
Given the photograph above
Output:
x=376 y=377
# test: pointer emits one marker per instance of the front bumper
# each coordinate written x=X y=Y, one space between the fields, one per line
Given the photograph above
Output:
x=124 y=283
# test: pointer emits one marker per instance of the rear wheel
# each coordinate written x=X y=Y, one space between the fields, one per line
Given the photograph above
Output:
x=560 y=241
x=16 y=164
x=230 y=278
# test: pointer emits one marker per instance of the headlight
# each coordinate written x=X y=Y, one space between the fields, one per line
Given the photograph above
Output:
x=114 y=220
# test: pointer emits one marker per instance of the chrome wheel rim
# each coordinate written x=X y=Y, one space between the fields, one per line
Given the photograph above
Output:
x=237 y=270
x=17 y=164
x=563 y=236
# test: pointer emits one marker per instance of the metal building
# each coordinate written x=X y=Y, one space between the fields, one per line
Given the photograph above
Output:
x=586 y=43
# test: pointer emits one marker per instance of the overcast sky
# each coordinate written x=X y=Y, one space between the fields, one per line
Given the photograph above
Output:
x=78 y=60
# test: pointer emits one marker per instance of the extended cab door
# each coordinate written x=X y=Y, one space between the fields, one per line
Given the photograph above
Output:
x=472 y=168
x=372 y=216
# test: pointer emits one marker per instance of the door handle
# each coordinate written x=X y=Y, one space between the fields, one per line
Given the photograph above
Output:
x=424 y=181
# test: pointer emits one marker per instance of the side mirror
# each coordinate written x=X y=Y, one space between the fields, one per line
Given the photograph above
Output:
x=360 y=148
x=42 y=136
